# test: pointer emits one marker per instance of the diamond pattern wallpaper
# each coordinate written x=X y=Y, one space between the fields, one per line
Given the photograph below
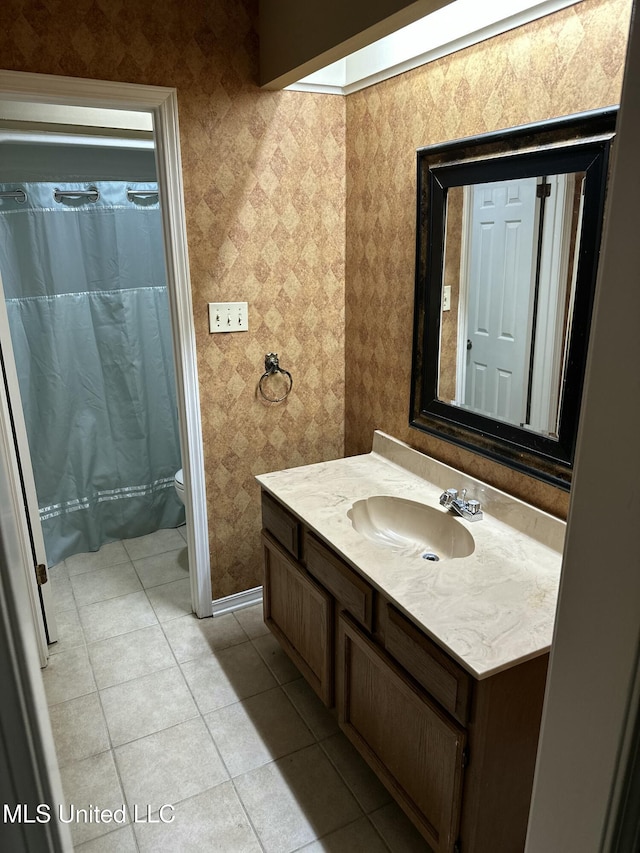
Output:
x=561 y=64
x=264 y=179
x=304 y=206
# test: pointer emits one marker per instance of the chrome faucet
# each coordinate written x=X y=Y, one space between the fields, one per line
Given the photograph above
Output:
x=470 y=510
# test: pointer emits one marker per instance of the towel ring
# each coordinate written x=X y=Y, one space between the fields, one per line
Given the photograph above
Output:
x=271 y=366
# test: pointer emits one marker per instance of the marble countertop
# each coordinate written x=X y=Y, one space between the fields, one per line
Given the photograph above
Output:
x=490 y=610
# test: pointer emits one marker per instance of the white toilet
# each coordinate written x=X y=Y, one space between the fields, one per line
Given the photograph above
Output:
x=179 y=484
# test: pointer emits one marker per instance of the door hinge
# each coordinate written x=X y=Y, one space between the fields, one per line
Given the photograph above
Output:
x=41 y=574
x=456 y=847
x=465 y=757
x=543 y=190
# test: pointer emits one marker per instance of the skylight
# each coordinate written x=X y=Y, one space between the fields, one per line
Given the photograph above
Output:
x=453 y=27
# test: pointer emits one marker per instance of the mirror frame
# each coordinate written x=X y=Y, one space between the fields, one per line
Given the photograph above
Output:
x=576 y=143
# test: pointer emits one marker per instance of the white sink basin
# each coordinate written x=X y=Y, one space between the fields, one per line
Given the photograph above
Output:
x=410 y=527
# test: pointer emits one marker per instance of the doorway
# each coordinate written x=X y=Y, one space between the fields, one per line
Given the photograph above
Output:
x=43 y=96
x=85 y=300
x=518 y=270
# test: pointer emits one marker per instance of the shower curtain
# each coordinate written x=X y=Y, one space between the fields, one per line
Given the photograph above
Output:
x=85 y=287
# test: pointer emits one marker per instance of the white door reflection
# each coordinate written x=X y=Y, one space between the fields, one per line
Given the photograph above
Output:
x=509 y=254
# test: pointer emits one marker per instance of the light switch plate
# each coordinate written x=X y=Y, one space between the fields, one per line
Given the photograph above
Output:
x=228 y=317
x=446 y=298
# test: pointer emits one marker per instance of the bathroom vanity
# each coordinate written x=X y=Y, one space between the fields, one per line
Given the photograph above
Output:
x=436 y=668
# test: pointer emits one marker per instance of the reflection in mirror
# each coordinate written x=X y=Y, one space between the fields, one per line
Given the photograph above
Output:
x=509 y=282
x=508 y=236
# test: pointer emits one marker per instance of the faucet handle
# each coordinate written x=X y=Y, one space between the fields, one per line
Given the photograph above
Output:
x=473 y=507
x=448 y=497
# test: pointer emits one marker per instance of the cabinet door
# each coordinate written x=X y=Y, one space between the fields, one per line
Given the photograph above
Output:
x=299 y=612
x=414 y=747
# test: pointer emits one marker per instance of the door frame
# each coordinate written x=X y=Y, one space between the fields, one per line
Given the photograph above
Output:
x=586 y=773
x=22 y=487
x=162 y=104
x=27 y=748
x=549 y=345
x=16 y=499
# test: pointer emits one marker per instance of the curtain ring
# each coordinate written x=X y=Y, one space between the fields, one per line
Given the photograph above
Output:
x=271 y=366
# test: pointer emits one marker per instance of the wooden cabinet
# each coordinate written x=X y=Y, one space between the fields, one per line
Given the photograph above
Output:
x=299 y=612
x=457 y=753
x=415 y=748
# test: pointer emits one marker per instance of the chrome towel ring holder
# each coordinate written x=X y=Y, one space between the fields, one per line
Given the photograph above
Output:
x=272 y=366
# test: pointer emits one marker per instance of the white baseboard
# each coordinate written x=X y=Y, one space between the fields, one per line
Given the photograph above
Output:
x=237 y=601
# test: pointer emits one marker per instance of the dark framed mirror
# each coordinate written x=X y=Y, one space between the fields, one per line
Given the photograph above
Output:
x=508 y=238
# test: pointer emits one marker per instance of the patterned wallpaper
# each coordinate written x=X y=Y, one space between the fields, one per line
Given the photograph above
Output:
x=269 y=195
x=564 y=63
x=264 y=177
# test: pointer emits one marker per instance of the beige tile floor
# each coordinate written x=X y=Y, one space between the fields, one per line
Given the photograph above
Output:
x=153 y=707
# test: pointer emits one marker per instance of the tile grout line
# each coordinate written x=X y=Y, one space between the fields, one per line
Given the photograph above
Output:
x=316 y=742
x=352 y=791
x=351 y=823
x=232 y=779
x=111 y=749
x=247 y=815
x=98 y=691
x=200 y=715
x=316 y=739
x=125 y=796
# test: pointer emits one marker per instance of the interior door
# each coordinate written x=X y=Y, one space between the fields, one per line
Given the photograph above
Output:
x=500 y=280
x=12 y=411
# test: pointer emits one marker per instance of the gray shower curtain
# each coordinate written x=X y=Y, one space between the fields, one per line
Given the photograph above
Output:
x=85 y=288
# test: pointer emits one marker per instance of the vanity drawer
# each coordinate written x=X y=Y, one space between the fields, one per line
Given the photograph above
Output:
x=430 y=666
x=351 y=591
x=282 y=525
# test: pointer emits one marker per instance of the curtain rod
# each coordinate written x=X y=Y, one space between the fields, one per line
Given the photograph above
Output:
x=90 y=195
x=18 y=195
x=44 y=138
x=93 y=195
